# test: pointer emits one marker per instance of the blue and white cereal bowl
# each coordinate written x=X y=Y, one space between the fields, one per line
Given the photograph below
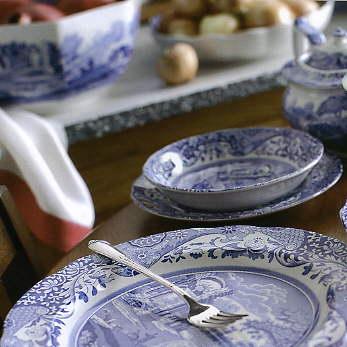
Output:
x=234 y=168
x=50 y=60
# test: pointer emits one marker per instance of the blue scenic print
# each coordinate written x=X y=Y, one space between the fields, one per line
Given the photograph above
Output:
x=226 y=266
x=45 y=70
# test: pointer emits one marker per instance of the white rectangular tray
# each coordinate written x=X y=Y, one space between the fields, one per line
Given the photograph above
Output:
x=139 y=96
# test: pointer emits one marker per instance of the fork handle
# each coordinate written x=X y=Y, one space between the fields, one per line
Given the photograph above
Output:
x=104 y=248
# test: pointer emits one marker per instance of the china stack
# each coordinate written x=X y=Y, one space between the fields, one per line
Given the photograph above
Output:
x=234 y=173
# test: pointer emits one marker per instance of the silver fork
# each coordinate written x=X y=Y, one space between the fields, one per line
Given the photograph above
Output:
x=205 y=316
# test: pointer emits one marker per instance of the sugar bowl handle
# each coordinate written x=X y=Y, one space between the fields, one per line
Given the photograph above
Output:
x=304 y=31
x=343 y=215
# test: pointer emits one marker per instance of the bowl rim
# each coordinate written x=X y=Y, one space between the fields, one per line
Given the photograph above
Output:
x=69 y=17
x=309 y=166
x=154 y=21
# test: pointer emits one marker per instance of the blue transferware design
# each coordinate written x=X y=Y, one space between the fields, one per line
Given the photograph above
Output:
x=326 y=119
x=327 y=172
x=315 y=100
x=343 y=215
x=233 y=159
x=291 y=283
x=39 y=68
x=238 y=172
x=327 y=61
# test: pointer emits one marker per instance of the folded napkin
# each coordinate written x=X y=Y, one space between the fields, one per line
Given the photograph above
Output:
x=51 y=196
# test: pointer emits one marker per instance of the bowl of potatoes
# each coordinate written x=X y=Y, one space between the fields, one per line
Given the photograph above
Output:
x=231 y=30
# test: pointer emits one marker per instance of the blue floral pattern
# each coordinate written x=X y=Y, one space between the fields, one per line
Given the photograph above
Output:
x=343 y=215
x=317 y=79
x=94 y=301
x=322 y=177
x=232 y=159
x=325 y=118
x=31 y=71
x=327 y=61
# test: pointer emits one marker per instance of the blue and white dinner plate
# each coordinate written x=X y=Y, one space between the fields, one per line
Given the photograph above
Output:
x=323 y=176
x=291 y=283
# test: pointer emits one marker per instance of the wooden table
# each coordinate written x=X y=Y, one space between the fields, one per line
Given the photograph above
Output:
x=110 y=165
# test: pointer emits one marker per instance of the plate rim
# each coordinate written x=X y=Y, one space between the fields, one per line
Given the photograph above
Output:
x=314 y=142
x=301 y=238
x=326 y=156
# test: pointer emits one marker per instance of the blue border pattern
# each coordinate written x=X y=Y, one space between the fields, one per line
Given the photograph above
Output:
x=41 y=313
x=323 y=176
x=297 y=149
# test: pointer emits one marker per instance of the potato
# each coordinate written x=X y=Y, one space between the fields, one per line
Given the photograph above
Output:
x=217 y=6
x=189 y=8
x=182 y=26
x=267 y=13
x=219 y=24
x=178 y=64
x=234 y=6
x=165 y=20
x=301 y=7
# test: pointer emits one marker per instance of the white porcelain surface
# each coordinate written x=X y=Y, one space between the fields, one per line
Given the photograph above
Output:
x=247 y=44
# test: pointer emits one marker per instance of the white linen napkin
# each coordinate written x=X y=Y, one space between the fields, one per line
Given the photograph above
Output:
x=48 y=190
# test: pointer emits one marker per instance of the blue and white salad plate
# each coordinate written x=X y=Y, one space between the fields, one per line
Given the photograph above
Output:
x=291 y=283
x=233 y=169
x=322 y=177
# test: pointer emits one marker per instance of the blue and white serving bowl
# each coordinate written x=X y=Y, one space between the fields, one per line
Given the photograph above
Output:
x=50 y=60
x=235 y=168
x=315 y=100
x=291 y=283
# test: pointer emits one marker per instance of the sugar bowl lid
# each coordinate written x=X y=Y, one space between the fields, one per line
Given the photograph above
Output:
x=324 y=64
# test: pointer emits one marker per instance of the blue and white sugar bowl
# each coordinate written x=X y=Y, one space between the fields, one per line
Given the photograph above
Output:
x=315 y=100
